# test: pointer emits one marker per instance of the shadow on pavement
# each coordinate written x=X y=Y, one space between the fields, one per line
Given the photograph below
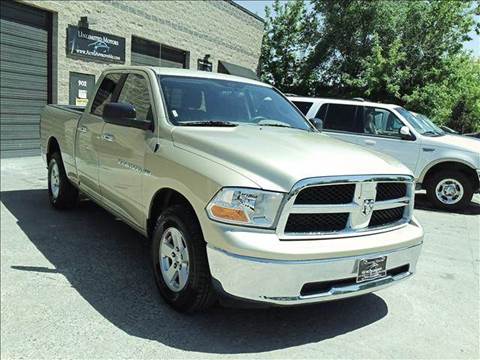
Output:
x=109 y=265
x=422 y=203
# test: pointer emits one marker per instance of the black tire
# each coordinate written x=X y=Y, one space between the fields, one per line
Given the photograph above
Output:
x=198 y=293
x=438 y=177
x=67 y=195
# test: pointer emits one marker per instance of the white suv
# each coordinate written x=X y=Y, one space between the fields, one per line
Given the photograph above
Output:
x=447 y=166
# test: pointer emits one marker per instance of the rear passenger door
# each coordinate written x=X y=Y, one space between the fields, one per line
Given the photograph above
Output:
x=340 y=121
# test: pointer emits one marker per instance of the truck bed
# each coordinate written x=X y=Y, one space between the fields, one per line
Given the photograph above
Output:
x=59 y=123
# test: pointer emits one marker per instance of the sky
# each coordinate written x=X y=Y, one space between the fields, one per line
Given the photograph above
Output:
x=258 y=7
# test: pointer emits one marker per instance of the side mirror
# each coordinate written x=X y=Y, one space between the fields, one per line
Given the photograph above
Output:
x=124 y=114
x=318 y=123
x=405 y=133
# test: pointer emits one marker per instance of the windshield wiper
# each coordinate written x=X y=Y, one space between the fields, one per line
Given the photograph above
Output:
x=207 y=123
x=431 y=133
x=277 y=125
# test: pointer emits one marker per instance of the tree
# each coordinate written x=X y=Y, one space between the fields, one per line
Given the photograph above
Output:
x=287 y=38
x=404 y=52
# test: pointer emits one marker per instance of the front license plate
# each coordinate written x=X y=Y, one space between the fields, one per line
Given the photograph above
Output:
x=369 y=269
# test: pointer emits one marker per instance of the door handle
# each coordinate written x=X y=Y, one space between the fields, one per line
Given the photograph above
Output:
x=370 y=142
x=83 y=129
x=108 y=137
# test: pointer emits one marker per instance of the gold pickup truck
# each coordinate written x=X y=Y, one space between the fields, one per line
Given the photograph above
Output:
x=240 y=194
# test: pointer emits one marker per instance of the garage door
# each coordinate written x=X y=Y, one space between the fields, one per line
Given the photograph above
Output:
x=24 y=77
x=150 y=53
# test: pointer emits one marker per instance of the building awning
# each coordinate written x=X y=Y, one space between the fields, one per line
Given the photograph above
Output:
x=232 y=69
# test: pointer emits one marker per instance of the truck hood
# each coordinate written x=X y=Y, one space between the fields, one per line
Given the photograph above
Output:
x=277 y=158
x=458 y=142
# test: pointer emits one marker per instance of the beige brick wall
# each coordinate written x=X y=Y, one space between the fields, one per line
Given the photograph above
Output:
x=217 y=28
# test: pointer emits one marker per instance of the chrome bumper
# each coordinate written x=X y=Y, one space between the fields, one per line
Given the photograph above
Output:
x=281 y=281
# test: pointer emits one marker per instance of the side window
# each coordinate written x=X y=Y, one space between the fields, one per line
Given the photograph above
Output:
x=105 y=93
x=135 y=92
x=380 y=122
x=341 y=117
x=322 y=112
x=303 y=106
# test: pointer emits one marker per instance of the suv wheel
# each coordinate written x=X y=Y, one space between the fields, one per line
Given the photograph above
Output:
x=61 y=192
x=180 y=260
x=449 y=190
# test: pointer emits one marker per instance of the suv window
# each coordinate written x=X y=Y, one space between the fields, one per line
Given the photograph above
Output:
x=105 y=92
x=135 y=92
x=322 y=112
x=303 y=106
x=380 y=122
x=341 y=117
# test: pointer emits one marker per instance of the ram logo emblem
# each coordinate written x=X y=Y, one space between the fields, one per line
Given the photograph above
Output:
x=368 y=206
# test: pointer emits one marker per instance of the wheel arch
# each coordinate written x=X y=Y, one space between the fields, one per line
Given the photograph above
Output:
x=451 y=165
x=160 y=201
x=52 y=147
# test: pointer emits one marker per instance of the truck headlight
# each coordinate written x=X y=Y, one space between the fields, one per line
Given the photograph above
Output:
x=243 y=206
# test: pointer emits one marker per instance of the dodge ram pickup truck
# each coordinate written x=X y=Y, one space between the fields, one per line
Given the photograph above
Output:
x=240 y=195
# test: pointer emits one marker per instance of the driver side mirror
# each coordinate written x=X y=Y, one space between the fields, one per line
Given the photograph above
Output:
x=318 y=123
x=124 y=114
x=405 y=133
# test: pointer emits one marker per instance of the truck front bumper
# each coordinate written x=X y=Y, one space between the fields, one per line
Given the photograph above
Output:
x=291 y=282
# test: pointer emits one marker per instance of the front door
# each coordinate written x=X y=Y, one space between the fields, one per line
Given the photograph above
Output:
x=88 y=139
x=122 y=167
x=382 y=133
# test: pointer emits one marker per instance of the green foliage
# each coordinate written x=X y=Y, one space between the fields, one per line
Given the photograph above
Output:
x=404 y=52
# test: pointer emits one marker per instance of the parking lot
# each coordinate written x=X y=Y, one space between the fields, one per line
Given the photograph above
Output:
x=78 y=284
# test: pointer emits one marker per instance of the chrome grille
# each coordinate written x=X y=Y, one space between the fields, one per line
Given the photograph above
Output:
x=341 y=207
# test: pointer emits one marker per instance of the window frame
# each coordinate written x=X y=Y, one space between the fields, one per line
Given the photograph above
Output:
x=413 y=137
x=326 y=117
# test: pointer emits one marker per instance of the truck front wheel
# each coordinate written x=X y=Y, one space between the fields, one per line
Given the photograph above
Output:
x=180 y=260
x=62 y=194
x=449 y=190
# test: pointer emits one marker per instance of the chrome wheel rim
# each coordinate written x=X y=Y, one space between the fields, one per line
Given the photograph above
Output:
x=55 y=180
x=174 y=260
x=449 y=191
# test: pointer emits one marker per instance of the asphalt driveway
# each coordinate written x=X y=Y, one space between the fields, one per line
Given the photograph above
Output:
x=78 y=284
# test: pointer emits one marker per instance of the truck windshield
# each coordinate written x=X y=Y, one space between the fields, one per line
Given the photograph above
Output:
x=213 y=102
x=421 y=123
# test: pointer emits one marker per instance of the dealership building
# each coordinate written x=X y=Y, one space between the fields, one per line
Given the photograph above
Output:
x=53 y=51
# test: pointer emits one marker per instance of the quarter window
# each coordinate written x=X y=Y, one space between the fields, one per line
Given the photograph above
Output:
x=105 y=93
x=135 y=92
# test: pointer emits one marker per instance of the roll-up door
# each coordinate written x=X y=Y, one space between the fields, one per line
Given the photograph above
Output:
x=24 y=77
x=150 y=53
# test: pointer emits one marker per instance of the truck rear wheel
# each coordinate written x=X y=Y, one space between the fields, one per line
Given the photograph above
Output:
x=180 y=261
x=449 y=190
x=62 y=194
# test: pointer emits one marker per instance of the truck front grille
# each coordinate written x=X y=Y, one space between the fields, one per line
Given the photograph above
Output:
x=316 y=222
x=329 y=194
x=389 y=191
x=385 y=217
x=336 y=207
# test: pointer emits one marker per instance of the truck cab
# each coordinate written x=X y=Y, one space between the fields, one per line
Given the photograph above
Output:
x=447 y=166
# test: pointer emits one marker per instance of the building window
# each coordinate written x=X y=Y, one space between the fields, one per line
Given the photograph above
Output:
x=147 y=52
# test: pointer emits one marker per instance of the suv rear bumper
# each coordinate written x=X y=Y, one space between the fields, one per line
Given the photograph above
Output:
x=281 y=282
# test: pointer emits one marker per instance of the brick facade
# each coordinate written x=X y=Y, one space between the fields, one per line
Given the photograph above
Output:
x=218 y=28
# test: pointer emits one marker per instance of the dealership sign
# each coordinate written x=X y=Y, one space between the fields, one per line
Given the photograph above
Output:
x=86 y=43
